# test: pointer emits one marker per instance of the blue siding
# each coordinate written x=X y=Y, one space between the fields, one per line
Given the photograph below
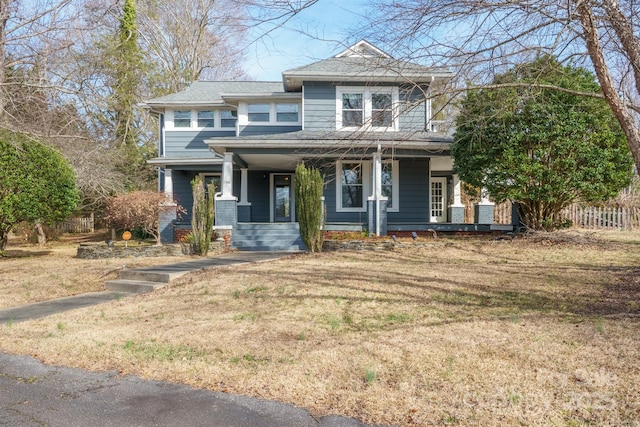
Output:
x=414 y=195
x=252 y=130
x=259 y=195
x=190 y=143
x=414 y=191
x=319 y=106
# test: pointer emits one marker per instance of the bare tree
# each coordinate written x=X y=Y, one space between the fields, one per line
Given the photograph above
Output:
x=187 y=40
x=478 y=39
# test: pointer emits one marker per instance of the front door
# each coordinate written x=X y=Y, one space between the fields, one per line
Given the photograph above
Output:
x=282 y=198
x=438 y=199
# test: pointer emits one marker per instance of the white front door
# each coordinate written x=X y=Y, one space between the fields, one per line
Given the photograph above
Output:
x=438 y=199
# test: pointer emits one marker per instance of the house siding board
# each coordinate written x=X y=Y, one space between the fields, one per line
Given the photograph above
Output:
x=190 y=143
x=319 y=106
x=414 y=192
x=182 y=193
x=258 y=194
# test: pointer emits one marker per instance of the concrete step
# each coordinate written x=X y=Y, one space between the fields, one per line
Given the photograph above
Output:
x=133 y=286
x=150 y=275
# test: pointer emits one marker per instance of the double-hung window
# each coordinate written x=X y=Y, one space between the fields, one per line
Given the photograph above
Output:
x=352 y=109
x=182 y=118
x=205 y=119
x=228 y=118
x=287 y=112
x=389 y=182
x=259 y=112
x=354 y=185
x=366 y=108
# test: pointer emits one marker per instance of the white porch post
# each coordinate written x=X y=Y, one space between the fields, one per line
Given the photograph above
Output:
x=483 y=211
x=168 y=184
x=227 y=177
x=456 y=210
x=376 y=196
x=244 y=177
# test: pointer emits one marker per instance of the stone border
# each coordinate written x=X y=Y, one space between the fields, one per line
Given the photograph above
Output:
x=100 y=250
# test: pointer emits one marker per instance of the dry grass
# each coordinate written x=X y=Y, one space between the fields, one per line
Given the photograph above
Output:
x=539 y=331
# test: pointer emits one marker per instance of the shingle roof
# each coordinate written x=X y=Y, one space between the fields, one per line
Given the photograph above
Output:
x=210 y=92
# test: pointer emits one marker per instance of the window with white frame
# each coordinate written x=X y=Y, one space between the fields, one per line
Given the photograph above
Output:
x=287 y=112
x=205 y=119
x=228 y=118
x=366 y=108
x=259 y=112
x=182 y=118
x=352 y=192
x=390 y=187
x=354 y=182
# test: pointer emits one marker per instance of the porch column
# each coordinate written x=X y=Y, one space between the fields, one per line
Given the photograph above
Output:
x=456 y=210
x=169 y=214
x=244 y=206
x=226 y=209
x=227 y=177
x=377 y=203
x=168 y=184
x=483 y=211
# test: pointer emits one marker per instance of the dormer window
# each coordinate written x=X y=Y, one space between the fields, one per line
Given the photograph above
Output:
x=366 y=108
x=228 y=118
x=205 y=119
x=273 y=113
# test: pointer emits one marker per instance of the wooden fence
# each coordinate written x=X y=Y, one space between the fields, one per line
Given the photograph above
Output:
x=77 y=225
x=594 y=217
x=606 y=217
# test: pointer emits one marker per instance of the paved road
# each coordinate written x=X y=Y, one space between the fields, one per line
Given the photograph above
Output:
x=33 y=394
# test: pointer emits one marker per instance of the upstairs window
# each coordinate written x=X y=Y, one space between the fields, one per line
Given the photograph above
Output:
x=287 y=112
x=182 y=118
x=352 y=110
x=259 y=112
x=381 y=110
x=228 y=118
x=205 y=119
x=366 y=108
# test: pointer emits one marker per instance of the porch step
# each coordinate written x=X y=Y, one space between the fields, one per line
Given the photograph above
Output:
x=133 y=286
x=267 y=237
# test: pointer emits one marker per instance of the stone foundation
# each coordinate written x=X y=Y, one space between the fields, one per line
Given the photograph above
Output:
x=101 y=250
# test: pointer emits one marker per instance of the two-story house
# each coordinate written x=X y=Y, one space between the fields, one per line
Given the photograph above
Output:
x=362 y=117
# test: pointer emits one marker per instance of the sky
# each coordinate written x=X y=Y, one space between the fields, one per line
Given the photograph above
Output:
x=319 y=32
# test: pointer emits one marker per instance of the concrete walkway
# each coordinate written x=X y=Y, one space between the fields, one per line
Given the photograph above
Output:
x=167 y=273
x=34 y=394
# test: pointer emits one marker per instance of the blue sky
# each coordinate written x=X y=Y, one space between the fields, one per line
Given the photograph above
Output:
x=319 y=32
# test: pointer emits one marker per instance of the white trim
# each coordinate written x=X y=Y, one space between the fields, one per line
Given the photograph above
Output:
x=244 y=198
x=395 y=185
x=367 y=93
x=366 y=185
x=443 y=217
x=243 y=113
x=193 y=121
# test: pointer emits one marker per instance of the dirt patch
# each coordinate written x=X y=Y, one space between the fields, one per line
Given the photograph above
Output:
x=455 y=332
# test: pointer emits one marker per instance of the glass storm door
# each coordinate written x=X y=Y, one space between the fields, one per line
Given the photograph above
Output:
x=438 y=199
x=282 y=198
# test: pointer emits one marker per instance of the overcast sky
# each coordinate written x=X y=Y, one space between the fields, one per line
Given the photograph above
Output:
x=317 y=33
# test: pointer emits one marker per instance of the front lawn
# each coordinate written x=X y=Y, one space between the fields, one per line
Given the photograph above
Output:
x=542 y=330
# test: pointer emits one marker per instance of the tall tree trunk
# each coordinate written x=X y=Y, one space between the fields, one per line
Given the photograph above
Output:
x=590 y=34
x=5 y=6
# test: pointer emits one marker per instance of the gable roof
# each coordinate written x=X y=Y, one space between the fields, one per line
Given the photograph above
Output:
x=363 y=62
